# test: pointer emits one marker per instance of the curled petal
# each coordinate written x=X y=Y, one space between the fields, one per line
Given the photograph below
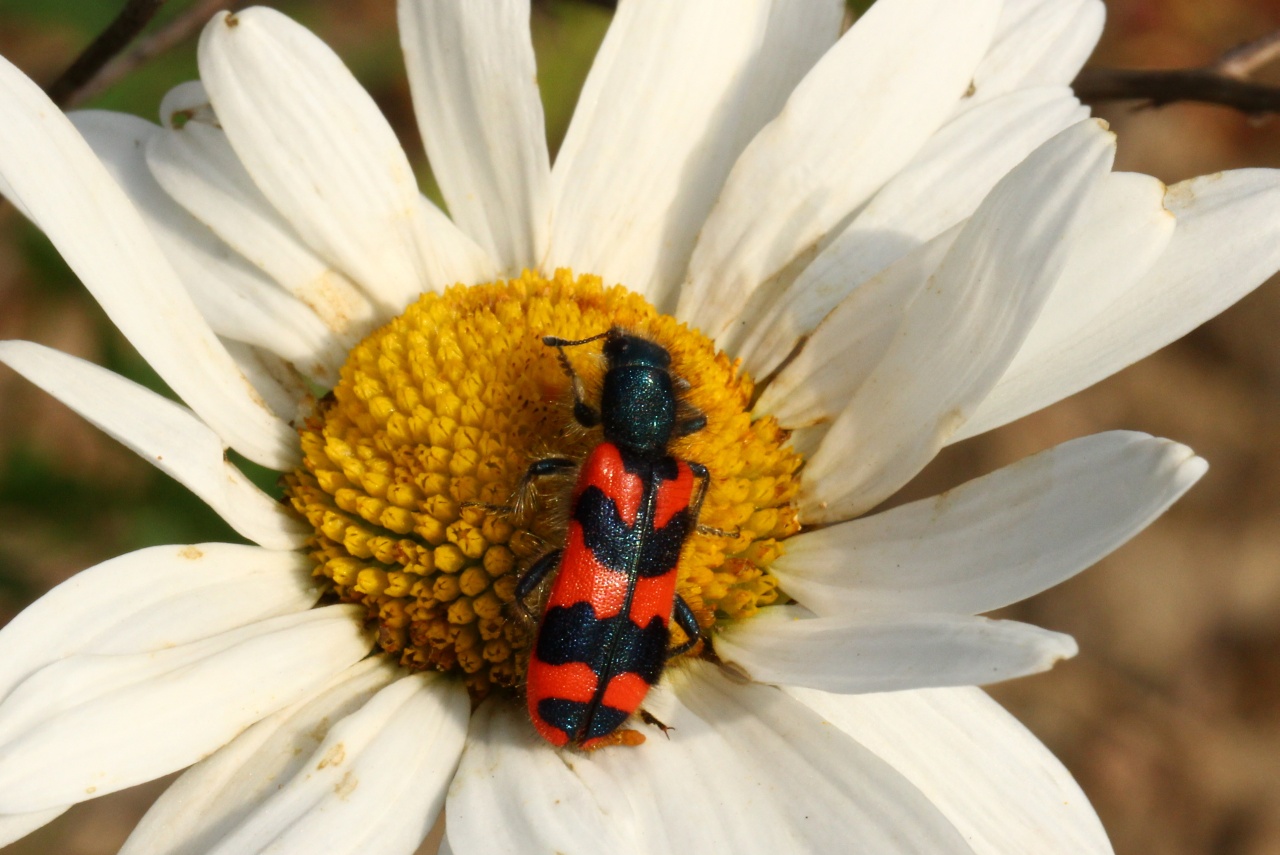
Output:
x=238 y=302
x=320 y=150
x=198 y=169
x=942 y=186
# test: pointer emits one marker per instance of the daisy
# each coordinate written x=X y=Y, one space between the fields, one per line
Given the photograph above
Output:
x=857 y=249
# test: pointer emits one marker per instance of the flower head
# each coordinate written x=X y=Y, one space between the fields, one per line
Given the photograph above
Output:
x=853 y=249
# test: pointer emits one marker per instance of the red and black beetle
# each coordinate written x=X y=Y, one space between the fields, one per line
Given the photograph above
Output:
x=603 y=639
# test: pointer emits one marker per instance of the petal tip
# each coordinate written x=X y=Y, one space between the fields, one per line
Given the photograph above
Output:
x=1063 y=648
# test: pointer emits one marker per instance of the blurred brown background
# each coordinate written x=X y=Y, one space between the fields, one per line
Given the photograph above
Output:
x=1170 y=717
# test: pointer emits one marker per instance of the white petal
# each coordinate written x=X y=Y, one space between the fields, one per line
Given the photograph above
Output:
x=574 y=809
x=746 y=769
x=852 y=340
x=218 y=794
x=1038 y=43
x=96 y=723
x=55 y=177
x=452 y=257
x=376 y=782
x=237 y=301
x=17 y=825
x=319 y=149
x=856 y=119
x=165 y=434
x=676 y=92
x=997 y=539
x=749 y=770
x=986 y=772
x=1226 y=243
x=942 y=186
x=885 y=652
x=154 y=598
x=475 y=92
x=197 y=167
x=8 y=193
x=1128 y=230
x=962 y=330
x=282 y=387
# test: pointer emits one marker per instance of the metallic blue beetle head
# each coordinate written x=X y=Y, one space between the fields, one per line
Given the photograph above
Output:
x=624 y=350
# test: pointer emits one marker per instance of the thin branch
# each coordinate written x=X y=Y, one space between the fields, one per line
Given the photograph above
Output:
x=135 y=15
x=1158 y=88
x=1225 y=82
x=172 y=34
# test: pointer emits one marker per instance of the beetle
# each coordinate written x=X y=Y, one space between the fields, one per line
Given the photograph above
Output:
x=604 y=634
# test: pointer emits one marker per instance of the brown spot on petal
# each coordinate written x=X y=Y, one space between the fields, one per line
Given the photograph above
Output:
x=334 y=756
x=347 y=785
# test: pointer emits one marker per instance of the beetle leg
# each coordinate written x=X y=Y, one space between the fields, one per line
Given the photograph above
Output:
x=548 y=466
x=492 y=508
x=695 y=421
x=688 y=621
x=532 y=578
x=653 y=721
x=703 y=478
x=538 y=469
x=695 y=506
x=541 y=469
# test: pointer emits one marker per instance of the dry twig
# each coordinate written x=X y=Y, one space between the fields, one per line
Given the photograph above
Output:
x=135 y=15
x=1158 y=88
x=172 y=34
x=102 y=64
x=1225 y=83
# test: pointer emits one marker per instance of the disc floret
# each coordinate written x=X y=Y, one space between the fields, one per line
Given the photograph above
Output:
x=435 y=419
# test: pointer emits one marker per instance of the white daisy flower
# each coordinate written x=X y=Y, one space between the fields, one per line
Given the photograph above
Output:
x=906 y=235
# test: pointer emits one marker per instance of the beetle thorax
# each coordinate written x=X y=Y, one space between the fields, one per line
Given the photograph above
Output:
x=638 y=408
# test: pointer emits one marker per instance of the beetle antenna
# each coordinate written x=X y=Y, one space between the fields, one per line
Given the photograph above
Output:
x=556 y=341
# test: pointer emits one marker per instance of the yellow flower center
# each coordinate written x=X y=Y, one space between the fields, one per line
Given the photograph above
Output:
x=436 y=418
